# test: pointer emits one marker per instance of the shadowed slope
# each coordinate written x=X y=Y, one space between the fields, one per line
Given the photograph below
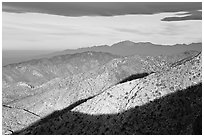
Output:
x=135 y=94
x=68 y=65
x=172 y=114
x=115 y=99
x=197 y=125
x=135 y=76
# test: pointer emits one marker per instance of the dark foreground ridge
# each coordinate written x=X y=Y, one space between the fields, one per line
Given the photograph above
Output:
x=176 y=113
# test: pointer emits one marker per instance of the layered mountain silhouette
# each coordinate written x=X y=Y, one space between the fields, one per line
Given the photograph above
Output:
x=126 y=48
x=46 y=96
x=28 y=76
x=123 y=48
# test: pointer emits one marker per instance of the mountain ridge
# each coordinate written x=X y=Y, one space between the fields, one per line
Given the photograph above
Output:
x=120 y=108
x=57 y=93
x=123 y=48
x=116 y=48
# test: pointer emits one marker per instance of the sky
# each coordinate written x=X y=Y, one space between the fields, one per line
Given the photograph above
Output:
x=60 y=26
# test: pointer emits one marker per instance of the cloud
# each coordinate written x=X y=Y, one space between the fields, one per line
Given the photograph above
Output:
x=99 y=8
x=49 y=32
x=194 y=15
x=173 y=29
x=134 y=31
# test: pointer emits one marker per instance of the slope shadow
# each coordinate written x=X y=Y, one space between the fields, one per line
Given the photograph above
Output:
x=176 y=113
x=134 y=76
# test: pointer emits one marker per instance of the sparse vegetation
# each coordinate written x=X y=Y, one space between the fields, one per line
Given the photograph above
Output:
x=158 y=103
x=168 y=115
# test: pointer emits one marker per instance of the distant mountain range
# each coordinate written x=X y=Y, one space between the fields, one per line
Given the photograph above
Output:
x=126 y=48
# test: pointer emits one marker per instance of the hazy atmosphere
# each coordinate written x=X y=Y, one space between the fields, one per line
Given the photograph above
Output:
x=94 y=68
x=60 y=26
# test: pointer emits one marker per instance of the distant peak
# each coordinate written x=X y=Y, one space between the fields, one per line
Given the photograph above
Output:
x=144 y=43
x=130 y=43
x=126 y=42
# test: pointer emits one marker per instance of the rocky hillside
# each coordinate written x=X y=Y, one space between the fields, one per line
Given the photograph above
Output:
x=65 y=91
x=165 y=102
x=112 y=72
x=24 y=79
x=39 y=71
